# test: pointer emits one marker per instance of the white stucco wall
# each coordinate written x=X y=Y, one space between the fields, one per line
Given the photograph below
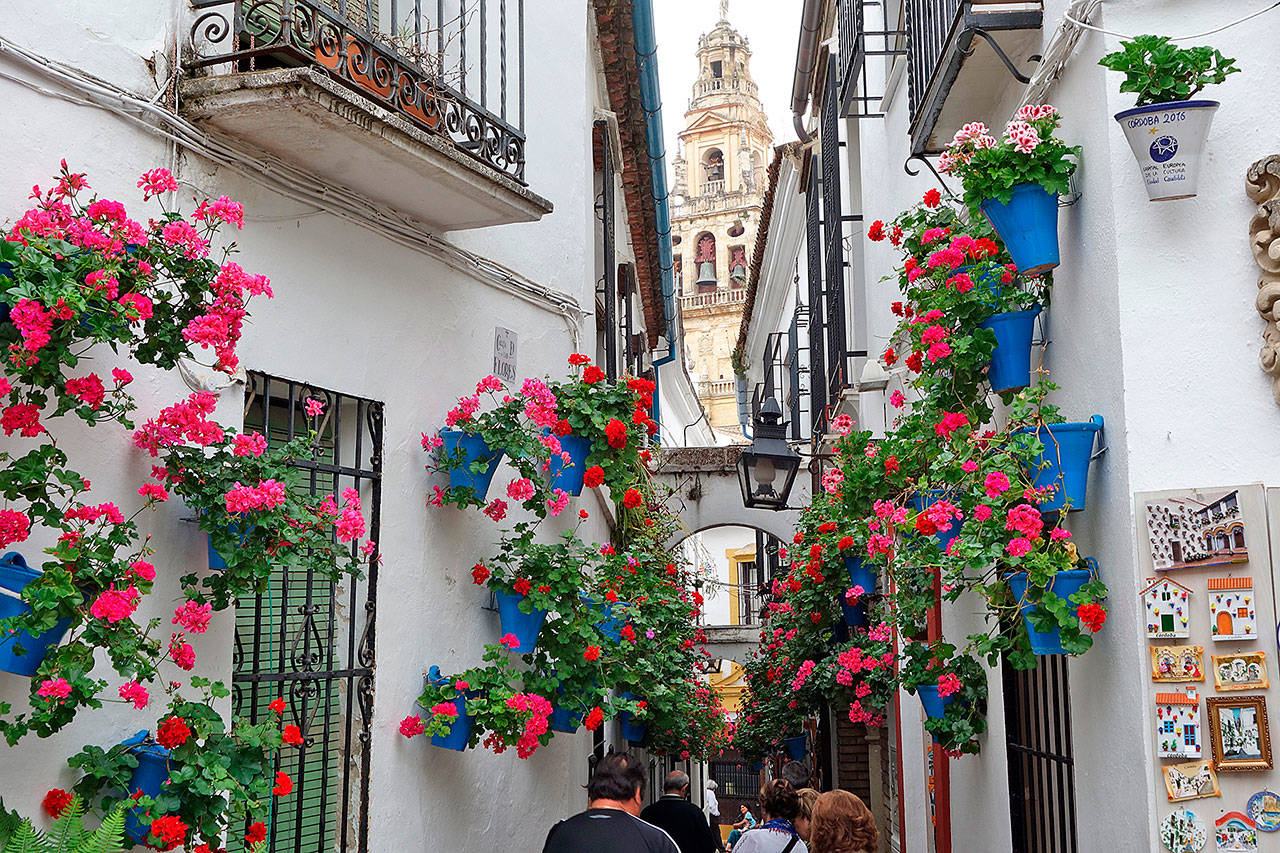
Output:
x=364 y=316
x=1153 y=327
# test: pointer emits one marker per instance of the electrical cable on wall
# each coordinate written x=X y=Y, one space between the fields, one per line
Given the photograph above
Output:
x=1192 y=37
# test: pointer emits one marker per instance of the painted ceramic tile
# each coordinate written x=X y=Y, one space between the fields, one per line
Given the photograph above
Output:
x=1167 y=606
x=1235 y=833
x=1264 y=810
x=1177 y=663
x=1240 y=671
x=1196 y=531
x=1190 y=780
x=1183 y=832
x=1178 y=733
x=1231 y=609
x=1238 y=733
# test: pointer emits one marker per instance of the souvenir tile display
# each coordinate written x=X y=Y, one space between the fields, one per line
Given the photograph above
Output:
x=1231 y=610
x=1190 y=780
x=1235 y=833
x=1238 y=732
x=1183 y=832
x=1178 y=725
x=1264 y=810
x=1240 y=671
x=1167 y=607
x=1196 y=531
x=1177 y=663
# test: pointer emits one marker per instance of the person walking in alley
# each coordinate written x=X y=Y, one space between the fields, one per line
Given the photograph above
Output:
x=778 y=833
x=842 y=823
x=713 y=813
x=611 y=823
x=682 y=820
x=808 y=796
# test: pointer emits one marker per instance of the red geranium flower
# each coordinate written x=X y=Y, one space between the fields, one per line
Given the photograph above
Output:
x=562 y=428
x=1093 y=616
x=257 y=832
x=172 y=732
x=876 y=231
x=932 y=198
x=284 y=785
x=277 y=705
x=594 y=719
x=292 y=735
x=56 y=801
x=845 y=544
x=522 y=586
x=592 y=375
x=915 y=361
x=616 y=433
x=578 y=359
x=169 y=830
x=592 y=653
x=593 y=476
x=479 y=574
x=632 y=499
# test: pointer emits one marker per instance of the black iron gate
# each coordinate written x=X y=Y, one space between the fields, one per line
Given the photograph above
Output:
x=311 y=641
x=1042 y=794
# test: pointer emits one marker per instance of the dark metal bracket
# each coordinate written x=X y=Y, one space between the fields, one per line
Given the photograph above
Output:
x=1004 y=57
x=906 y=167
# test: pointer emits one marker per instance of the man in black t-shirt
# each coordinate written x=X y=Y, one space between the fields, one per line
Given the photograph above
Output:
x=683 y=821
x=611 y=823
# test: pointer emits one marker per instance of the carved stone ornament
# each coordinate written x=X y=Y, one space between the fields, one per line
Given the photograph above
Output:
x=1262 y=183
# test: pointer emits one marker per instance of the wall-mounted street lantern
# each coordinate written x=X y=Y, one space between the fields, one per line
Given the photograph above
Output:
x=767 y=469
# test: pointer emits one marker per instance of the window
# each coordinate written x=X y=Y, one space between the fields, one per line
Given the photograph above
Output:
x=706 y=262
x=713 y=166
x=1037 y=711
x=717 y=69
x=311 y=641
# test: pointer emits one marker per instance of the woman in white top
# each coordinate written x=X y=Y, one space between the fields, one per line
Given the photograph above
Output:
x=778 y=834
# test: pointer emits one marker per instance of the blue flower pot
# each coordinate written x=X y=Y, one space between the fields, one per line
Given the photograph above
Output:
x=632 y=731
x=1064 y=585
x=609 y=626
x=757 y=766
x=460 y=729
x=935 y=706
x=859 y=575
x=148 y=777
x=1011 y=359
x=216 y=563
x=6 y=271
x=1028 y=226
x=15 y=573
x=1064 y=462
x=797 y=747
x=568 y=478
x=921 y=502
x=474 y=449
x=986 y=280
x=525 y=626
x=563 y=719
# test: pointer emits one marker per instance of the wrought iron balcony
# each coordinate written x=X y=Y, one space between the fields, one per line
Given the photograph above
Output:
x=439 y=79
x=962 y=56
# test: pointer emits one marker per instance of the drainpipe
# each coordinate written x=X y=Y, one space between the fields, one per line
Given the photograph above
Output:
x=744 y=407
x=651 y=103
x=806 y=59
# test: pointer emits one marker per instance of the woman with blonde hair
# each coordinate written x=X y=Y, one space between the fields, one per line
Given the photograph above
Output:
x=842 y=823
x=808 y=797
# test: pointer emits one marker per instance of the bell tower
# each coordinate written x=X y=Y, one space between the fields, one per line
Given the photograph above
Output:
x=719 y=180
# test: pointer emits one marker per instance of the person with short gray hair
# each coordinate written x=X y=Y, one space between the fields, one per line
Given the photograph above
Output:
x=682 y=820
x=711 y=805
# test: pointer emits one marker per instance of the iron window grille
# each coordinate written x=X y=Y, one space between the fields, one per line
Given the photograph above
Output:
x=309 y=640
x=1042 y=803
x=455 y=68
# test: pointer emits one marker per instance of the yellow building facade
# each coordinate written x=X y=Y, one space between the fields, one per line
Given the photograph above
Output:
x=720 y=177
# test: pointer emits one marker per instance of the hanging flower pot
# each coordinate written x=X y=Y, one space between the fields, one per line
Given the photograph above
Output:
x=460 y=729
x=1167 y=140
x=148 y=777
x=1011 y=359
x=608 y=625
x=525 y=626
x=986 y=280
x=1064 y=585
x=632 y=731
x=1064 y=462
x=922 y=501
x=1028 y=226
x=568 y=478
x=564 y=720
x=935 y=706
x=6 y=273
x=474 y=450
x=859 y=575
x=216 y=561
x=797 y=746
x=20 y=652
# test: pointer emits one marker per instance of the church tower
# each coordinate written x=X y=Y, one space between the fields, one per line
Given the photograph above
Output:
x=718 y=192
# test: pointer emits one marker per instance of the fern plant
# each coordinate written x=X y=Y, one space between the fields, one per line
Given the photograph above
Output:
x=70 y=835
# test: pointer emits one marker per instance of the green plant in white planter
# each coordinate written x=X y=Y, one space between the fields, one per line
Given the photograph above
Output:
x=1167 y=128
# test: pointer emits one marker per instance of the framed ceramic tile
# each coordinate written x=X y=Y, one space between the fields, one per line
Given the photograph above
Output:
x=1178 y=732
x=1232 y=615
x=1190 y=780
x=1240 y=671
x=1166 y=605
x=1235 y=833
x=1177 y=663
x=1196 y=530
x=1238 y=733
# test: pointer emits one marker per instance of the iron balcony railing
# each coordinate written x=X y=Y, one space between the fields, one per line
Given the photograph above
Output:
x=454 y=67
x=857 y=42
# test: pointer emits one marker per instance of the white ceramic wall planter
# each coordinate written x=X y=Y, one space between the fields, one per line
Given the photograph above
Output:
x=1167 y=140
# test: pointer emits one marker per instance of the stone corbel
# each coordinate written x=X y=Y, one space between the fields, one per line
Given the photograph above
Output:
x=1262 y=183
